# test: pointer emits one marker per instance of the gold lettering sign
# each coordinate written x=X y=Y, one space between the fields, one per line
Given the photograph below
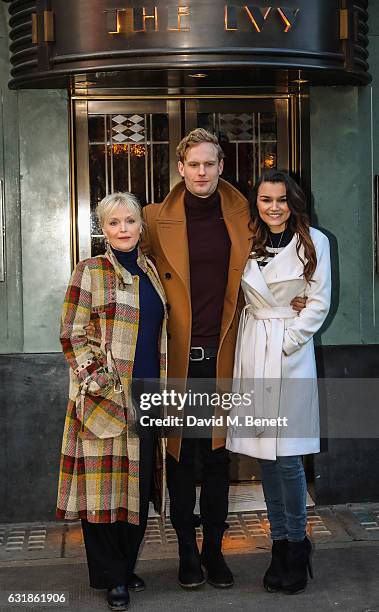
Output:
x=230 y=18
x=289 y=16
x=143 y=19
x=258 y=15
x=178 y=19
x=119 y=20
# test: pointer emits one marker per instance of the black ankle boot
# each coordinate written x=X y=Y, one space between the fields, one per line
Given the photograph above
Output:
x=118 y=598
x=218 y=573
x=272 y=580
x=190 y=574
x=299 y=564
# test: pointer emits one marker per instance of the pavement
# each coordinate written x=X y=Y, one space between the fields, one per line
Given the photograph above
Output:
x=50 y=559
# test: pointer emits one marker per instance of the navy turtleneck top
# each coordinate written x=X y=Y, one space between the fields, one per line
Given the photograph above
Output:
x=151 y=311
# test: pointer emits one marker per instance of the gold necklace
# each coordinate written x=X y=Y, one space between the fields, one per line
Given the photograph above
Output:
x=276 y=249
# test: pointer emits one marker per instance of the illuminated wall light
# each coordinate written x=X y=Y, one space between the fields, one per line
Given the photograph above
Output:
x=136 y=150
x=118 y=149
x=270 y=161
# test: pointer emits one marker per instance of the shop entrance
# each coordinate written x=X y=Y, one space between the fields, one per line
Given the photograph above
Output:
x=129 y=145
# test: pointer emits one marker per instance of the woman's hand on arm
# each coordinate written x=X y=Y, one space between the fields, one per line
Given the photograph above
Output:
x=298 y=303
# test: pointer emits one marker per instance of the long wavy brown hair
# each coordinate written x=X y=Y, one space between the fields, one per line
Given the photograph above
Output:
x=298 y=222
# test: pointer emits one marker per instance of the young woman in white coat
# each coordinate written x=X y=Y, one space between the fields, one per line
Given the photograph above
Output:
x=275 y=347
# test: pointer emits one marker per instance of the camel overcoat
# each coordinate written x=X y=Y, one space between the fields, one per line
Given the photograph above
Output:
x=166 y=242
x=275 y=356
x=99 y=468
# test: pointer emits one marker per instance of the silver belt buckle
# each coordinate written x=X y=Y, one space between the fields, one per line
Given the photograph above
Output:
x=197 y=348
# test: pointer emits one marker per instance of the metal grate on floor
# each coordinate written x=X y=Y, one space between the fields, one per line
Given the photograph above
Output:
x=31 y=541
x=248 y=532
x=361 y=521
x=368 y=520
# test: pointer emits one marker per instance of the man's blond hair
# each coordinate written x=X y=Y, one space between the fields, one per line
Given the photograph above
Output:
x=195 y=137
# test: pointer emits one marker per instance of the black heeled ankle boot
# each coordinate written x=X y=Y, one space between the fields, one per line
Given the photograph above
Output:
x=190 y=574
x=299 y=564
x=218 y=573
x=272 y=580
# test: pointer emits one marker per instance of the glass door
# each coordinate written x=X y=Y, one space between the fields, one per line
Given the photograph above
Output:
x=254 y=134
x=129 y=145
x=122 y=146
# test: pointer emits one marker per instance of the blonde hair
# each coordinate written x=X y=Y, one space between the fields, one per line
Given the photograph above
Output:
x=107 y=205
x=195 y=137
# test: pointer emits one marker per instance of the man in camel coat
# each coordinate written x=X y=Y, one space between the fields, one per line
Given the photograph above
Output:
x=200 y=240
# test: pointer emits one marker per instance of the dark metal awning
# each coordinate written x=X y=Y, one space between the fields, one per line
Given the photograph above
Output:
x=233 y=44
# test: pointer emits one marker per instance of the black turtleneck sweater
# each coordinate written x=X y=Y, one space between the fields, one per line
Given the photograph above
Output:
x=209 y=250
x=275 y=244
x=146 y=359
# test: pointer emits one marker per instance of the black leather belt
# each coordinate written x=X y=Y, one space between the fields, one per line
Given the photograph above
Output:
x=199 y=353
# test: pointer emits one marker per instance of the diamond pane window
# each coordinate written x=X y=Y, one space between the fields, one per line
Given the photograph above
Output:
x=128 y=128
x=235 y=127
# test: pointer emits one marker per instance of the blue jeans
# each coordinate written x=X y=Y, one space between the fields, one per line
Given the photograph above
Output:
x=285 y=491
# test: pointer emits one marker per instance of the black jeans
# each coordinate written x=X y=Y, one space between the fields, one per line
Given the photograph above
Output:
x=112 y=548
x=181 y=476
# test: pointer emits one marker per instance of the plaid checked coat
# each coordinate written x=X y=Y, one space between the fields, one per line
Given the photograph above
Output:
x=98 y=478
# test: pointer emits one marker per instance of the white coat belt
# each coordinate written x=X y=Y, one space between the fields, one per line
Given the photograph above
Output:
x=262 y=327
x=268 y=324
x=275 y=312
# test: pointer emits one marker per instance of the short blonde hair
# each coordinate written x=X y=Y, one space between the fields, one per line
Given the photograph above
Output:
x=195 y=137
x=107 y=205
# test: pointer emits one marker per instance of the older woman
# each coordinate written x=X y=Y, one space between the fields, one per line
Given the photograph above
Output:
x=275 y=358
x=113 y=332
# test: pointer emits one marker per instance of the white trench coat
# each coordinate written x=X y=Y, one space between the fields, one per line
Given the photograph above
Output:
x=274 y=358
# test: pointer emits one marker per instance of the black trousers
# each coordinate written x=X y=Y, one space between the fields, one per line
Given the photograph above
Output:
x=181 y=476
x=112 y=548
